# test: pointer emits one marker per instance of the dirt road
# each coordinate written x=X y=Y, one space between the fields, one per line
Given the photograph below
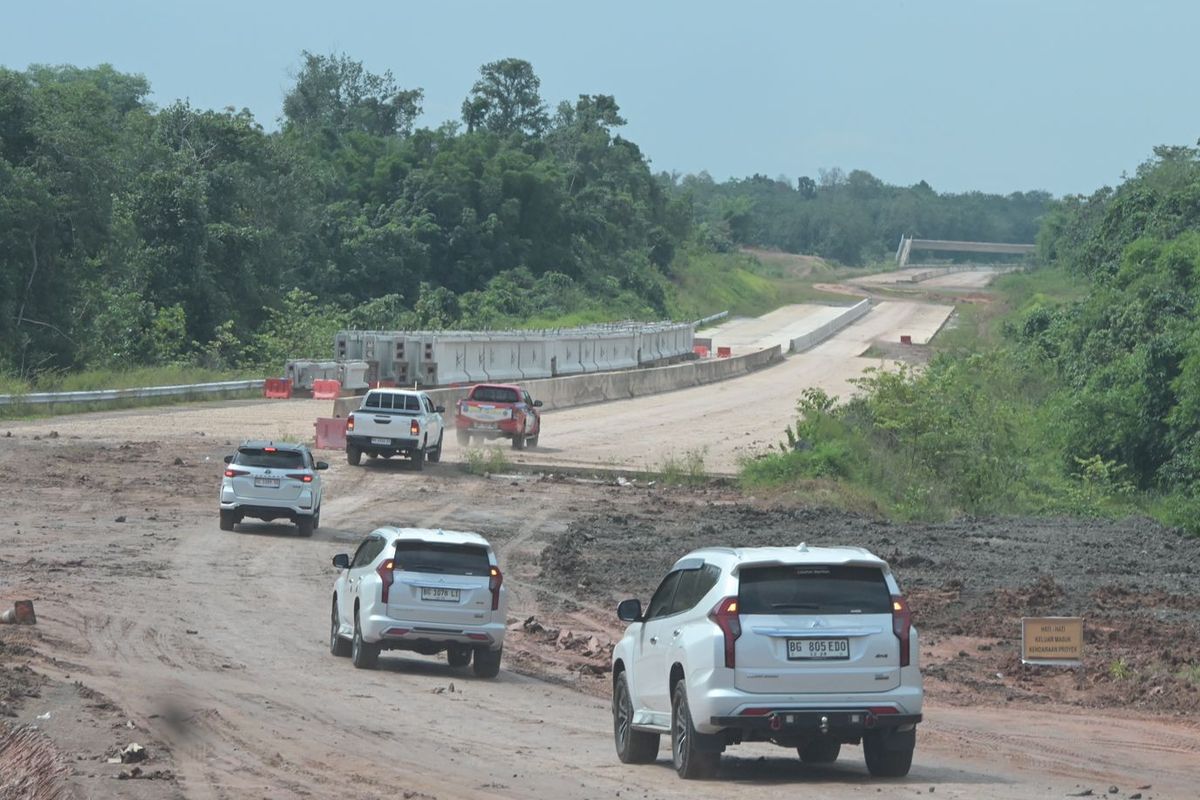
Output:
x=212 y=645
x=210 y=648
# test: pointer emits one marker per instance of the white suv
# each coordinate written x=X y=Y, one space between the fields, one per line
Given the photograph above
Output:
x=806 y=647
x=267 y=481
x=423 y=590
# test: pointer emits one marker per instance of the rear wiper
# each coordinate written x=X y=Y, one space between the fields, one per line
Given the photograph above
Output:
x=807 y=606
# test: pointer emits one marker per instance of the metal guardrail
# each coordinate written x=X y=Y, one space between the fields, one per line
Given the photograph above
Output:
x=101 y=395
x=710 y=319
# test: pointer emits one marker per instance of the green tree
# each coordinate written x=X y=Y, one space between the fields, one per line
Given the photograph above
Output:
x=506 y=99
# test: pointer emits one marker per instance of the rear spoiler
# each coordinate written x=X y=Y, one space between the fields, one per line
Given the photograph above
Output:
x=778 y=562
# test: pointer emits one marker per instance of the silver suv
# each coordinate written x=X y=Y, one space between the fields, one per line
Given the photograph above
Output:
x=805 y=647
x=268 y=481
x=423 y=590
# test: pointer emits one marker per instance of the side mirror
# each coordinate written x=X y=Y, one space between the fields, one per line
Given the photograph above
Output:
x=341 y=561
x=321 y=465
x=228 y=459
x=537 y=403
x=630 y=611
x=440 y=409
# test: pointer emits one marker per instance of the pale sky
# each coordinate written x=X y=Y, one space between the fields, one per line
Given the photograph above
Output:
x=994 y=95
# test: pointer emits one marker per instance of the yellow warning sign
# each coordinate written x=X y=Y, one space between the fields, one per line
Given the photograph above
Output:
x=1052 y=640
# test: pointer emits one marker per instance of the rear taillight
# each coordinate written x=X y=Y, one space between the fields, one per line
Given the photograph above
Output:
x=495 y=580
x=901 y=626
x=350 y=422
x=415 y=428
x=233 y=473
x=725 y=615
x=386 y=576
x=300 y=476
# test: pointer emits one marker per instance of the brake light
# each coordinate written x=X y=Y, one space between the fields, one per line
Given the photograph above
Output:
x=300 y=476
x=270 y=449
x=386 y=577
x=233 y=473
x=350 y=422
x=415 y=428
x=901 y=626
x=494 y=582
x=725 y=615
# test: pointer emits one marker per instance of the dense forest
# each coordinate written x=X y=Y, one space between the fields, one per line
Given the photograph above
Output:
x=132 y=234
x=1087 y=402
x=852 y=218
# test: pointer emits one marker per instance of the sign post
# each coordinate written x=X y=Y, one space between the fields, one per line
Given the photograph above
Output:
x=1052 y=641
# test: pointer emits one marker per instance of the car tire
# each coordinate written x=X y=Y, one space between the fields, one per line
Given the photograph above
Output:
x=364 y=654
x=435 y=455
x=317 y=519
x=338 y=645
x=887 y=754
x=633 y=747
x=690 y=763
x=228 y=520
x=464 y=438
x=487 y=662
x=458 y=656
x=518 y=441
x=418 y=459
x=533 y=440
x=820 y=751
x=353 y=456
x=304 y=525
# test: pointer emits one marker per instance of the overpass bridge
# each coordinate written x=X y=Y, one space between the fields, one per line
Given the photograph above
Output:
x=908 y=244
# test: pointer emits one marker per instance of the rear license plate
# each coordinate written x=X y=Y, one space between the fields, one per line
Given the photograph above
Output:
x=381 y=441
x=267 y=483
x=439 y=594
x=817 y=649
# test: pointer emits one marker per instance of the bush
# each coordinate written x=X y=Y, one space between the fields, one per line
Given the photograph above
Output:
x=486 y=461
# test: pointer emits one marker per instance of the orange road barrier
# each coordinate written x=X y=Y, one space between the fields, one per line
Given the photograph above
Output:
x=326 y=389
x=277 y=388
x=331 y=433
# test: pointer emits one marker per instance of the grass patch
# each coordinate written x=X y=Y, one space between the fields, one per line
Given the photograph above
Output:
x=486 y=461
x=706 y=283
x=682 y=470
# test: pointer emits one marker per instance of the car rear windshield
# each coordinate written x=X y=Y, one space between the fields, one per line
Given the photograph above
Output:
x=271 y=459
x=495 y=394
x=814 y=589
x=451 y=559
x=390 y=401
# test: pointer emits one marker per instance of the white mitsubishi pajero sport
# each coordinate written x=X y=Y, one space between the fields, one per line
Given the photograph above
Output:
x=806 y=647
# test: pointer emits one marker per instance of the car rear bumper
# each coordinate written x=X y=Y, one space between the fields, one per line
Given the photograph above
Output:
x=839 y=722
x=394 y=445
x=737 y=707
x=505 y=427
x=258 y=510
x=407 y=634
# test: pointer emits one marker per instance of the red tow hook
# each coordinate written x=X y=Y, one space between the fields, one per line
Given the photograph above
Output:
x=869 y=720
x=776 y=722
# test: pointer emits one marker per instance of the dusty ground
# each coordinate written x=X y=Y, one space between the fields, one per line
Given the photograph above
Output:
x=209 y=648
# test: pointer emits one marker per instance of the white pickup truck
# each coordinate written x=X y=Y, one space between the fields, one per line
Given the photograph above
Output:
x=394 y=422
